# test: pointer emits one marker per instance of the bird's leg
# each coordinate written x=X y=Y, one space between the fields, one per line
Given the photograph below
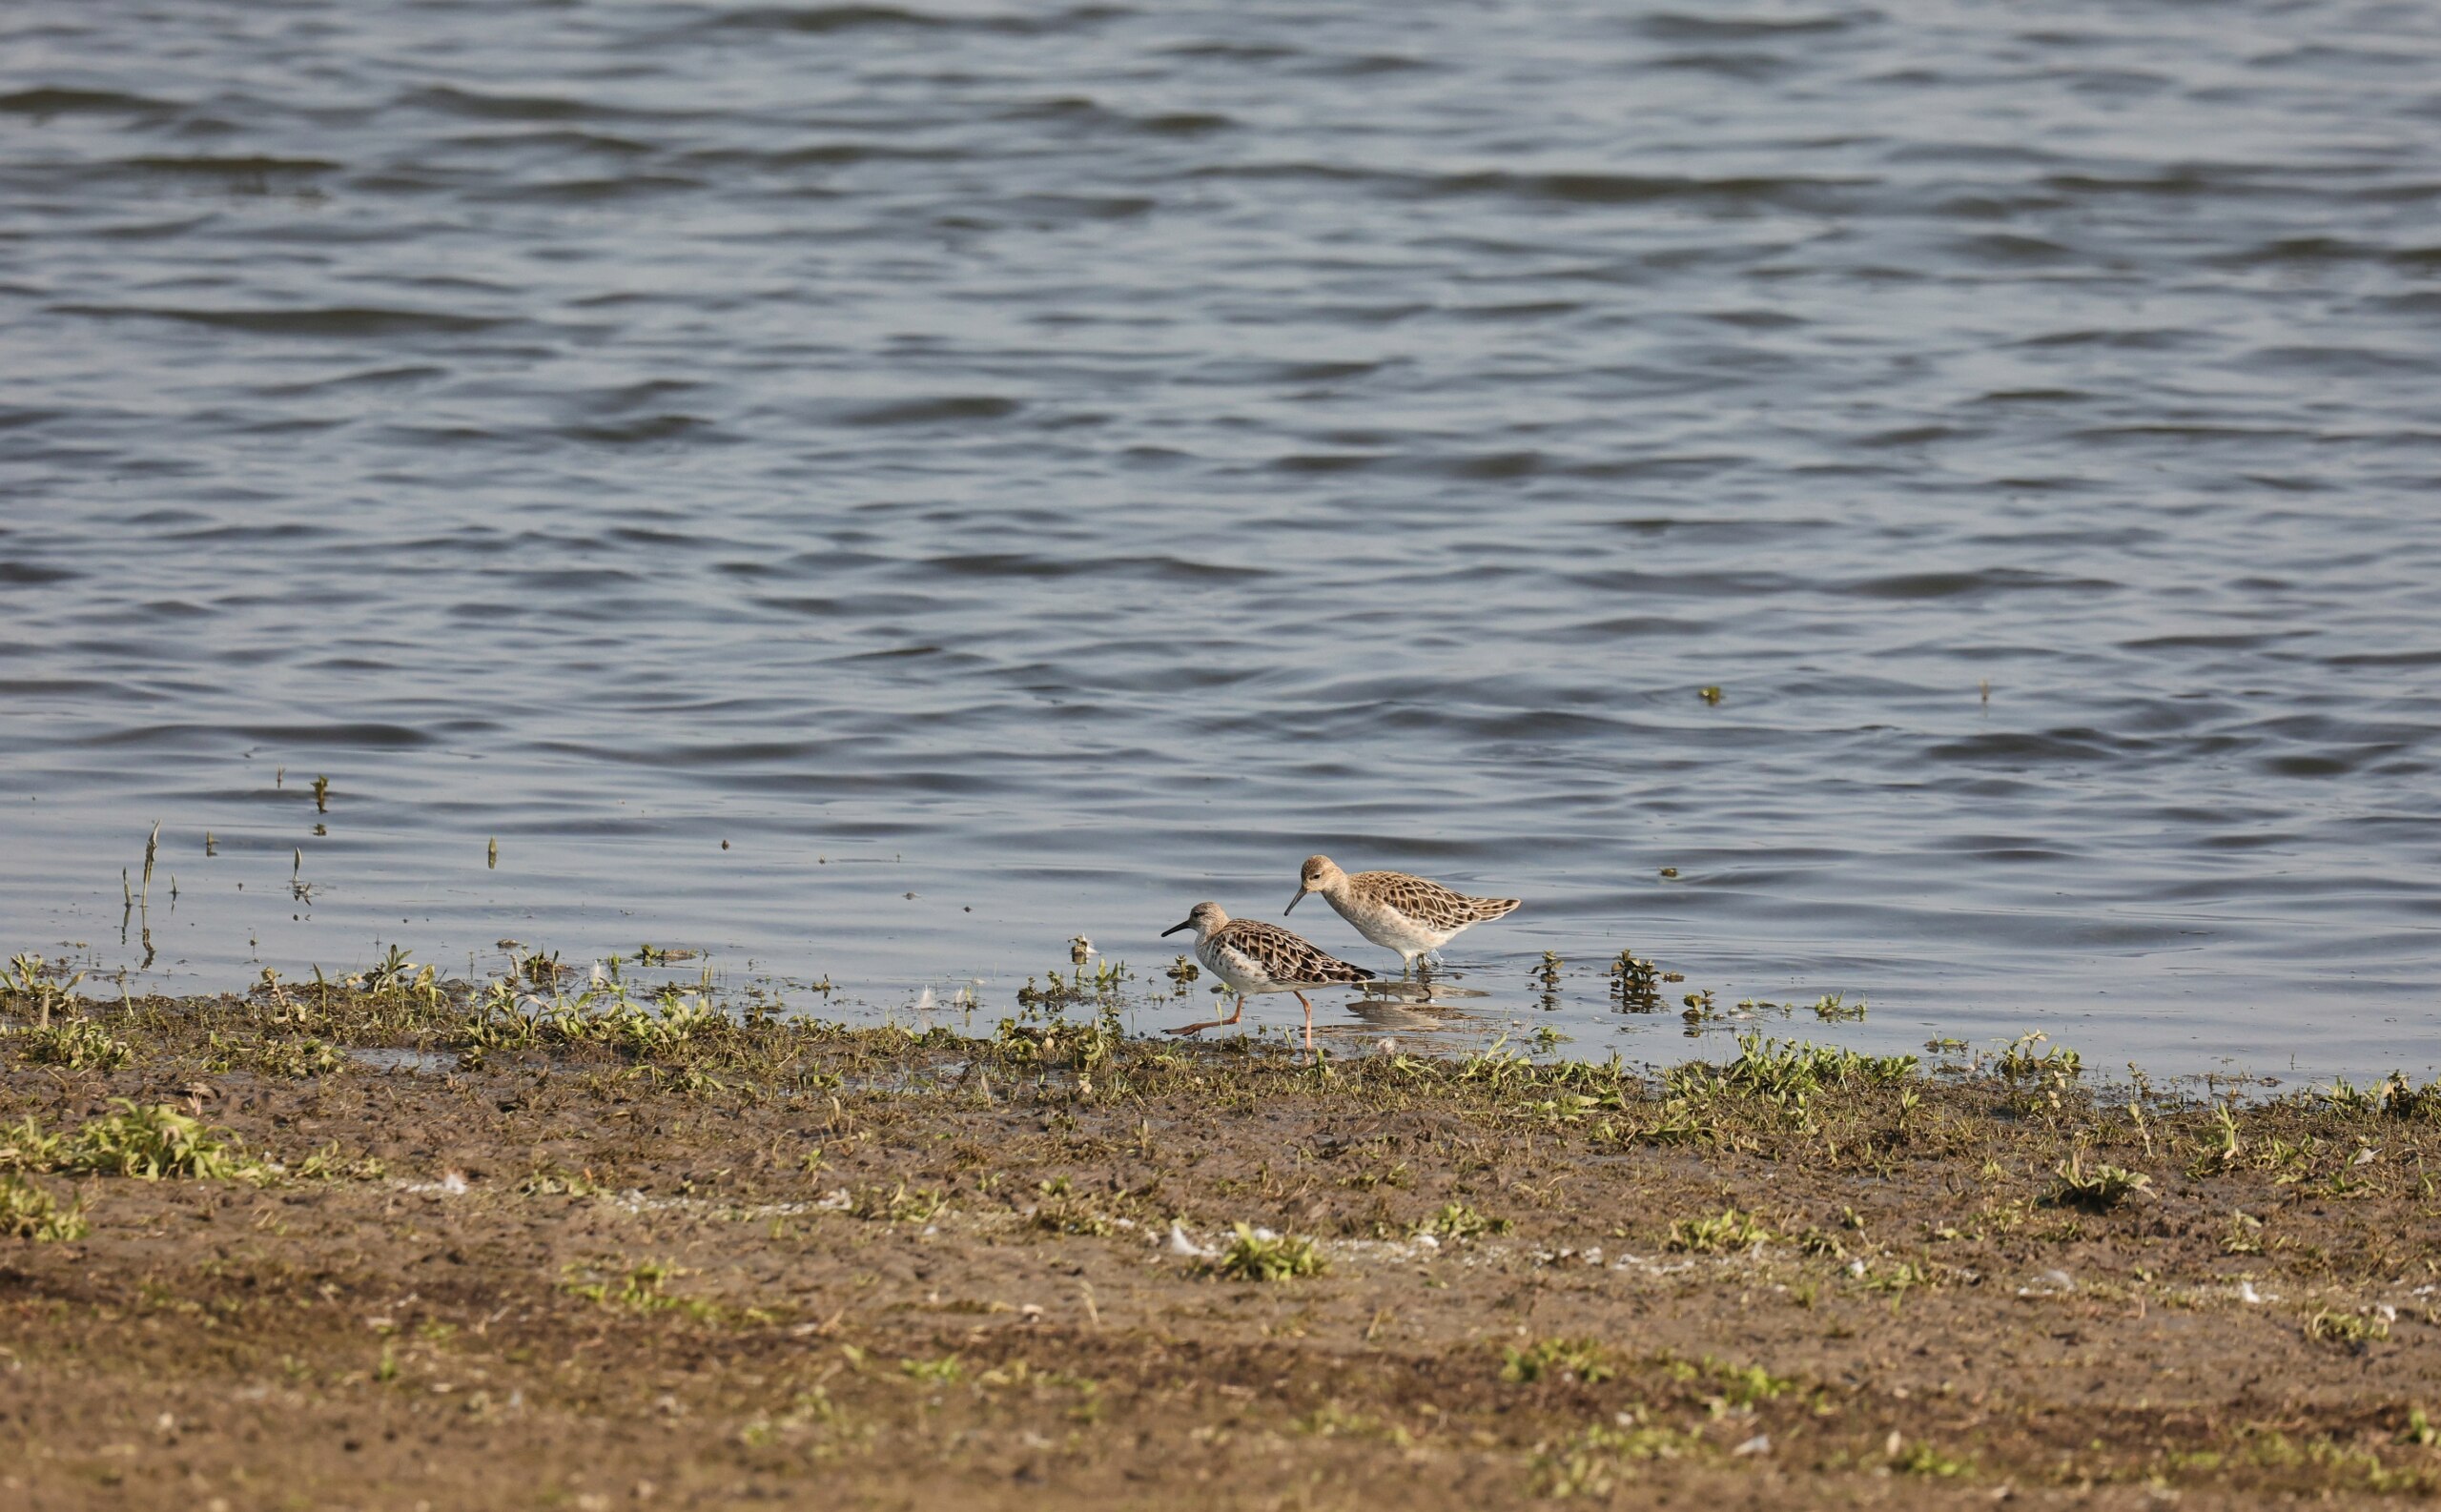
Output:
x=1309 y=1019
x=1214 y=1023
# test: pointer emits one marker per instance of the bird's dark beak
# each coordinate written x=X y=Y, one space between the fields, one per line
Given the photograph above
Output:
x=1182 y=924
x=1292 y=902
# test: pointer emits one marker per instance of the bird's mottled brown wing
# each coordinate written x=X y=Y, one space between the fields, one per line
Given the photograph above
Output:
x=1429 y=903
x=1491 y=908
x=1286 y=956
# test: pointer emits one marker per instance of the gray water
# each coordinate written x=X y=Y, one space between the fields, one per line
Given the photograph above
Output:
x=1011 y=472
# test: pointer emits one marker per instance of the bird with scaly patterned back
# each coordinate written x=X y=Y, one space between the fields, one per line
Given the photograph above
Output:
x=1395 y=910
x=1254 y=957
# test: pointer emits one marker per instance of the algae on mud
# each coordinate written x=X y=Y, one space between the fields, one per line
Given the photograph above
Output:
x=604 y=1250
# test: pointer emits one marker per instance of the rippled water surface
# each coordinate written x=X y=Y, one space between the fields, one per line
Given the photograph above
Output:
x=871 y=492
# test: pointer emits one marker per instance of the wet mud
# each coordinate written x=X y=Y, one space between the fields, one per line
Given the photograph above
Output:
x=405 y=1247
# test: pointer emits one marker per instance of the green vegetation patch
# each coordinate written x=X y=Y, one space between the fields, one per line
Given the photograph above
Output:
x=28 y=1211
x=1254 y=1256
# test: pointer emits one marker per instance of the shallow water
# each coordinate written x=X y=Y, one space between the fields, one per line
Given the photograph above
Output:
x=1013 y=472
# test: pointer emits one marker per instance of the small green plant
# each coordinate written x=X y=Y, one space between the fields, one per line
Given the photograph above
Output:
x=1086 y=984
x=330 y=1164
x=946 y=1371
x=643 y=1288
x=1789 y=1071
x=1333 y=1419
x=1895 y=1278
x=150 y=1143
x=1394 y=1175
x=1261 y=1256
x=1836 y=1008
x=1922 y=1458
x=2352 y=1330
x=2096 y=1191
x=77 y=1043
x=1458 y=1221
x=25 y=1147
x=1635 y=983
x=1583 y=1360
x=2041 y=1080
x=2419 y=1429
x=550 y=1180
x=28 y=1212
x=393 y=972
x=1745 y=1385
x=1729 y=1232
x=32 y=977
x=901 y=1204
x=2221 y=1150
x=294 y=1059
x=2397 y=1097
x=1059 y=1210
x=1595 y=1461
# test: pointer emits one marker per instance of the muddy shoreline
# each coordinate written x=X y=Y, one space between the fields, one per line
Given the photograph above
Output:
x=398 y=1245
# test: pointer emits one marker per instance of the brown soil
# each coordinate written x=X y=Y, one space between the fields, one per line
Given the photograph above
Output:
x=771 y=1262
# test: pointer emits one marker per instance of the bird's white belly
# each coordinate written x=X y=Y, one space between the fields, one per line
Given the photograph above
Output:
x=1241 y=972
x=1390 y=929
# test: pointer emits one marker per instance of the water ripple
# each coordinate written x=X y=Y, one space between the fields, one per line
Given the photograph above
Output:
x=1934 y=505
